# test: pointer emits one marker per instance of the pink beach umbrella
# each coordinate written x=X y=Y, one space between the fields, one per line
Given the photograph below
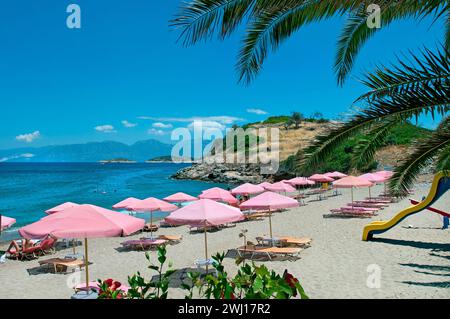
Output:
x=247 y=189
x=180 y=198
x=218 y=194
x=83 y=221
x=281 y=187
x=374 y=178
x=264 y=184
x=352 y=182
x=204 y=213
x=126 y=202
x=6 y=222
x=60 y=208
x=321 y=178
x=269 y=201
x=300 y=181
x=386 y=174
x=151 y=205
x=335 y=174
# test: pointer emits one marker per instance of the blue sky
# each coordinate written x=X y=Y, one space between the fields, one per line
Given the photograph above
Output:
x=124 y=65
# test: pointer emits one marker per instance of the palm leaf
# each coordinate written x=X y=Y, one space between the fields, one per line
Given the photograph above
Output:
x=423 y=154
x=364 y=152
x=199 y=19
x=356 y=31
x=432 y=69
x=411 y=101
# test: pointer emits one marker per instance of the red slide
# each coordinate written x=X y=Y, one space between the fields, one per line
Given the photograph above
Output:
x=414 y=202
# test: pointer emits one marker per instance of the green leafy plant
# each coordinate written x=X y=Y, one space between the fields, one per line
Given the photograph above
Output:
x=251 y=282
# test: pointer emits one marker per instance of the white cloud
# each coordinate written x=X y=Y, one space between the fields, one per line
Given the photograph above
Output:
x=257 y=111
x=28 y=138
x=105 y=128
x=8 y=158
x=207 y=125
x=162 y=125
x=128 y=124
x=221 y=119
x=153 y=131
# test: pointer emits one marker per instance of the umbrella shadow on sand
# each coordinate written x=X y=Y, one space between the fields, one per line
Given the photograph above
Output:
x=46 y=269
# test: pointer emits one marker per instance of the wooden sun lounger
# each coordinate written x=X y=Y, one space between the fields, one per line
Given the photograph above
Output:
x=369 y=204
x=360 y=208
x=150 y=228
x=144 y=243
x=171 y=238
x=297 y=241
x=269 y=252
x=350 y=213
x=62 y=264
x=303 y=242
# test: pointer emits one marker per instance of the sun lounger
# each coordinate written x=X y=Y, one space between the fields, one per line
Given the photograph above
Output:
x=165 y=224
x=286 y=240
x=269 y=252
x=367 y=203
x=143 y=243
x=255 y=216
x=150 y=228
x=360 y=208
x=349 y=213
x=62 y=264
x=171 y=238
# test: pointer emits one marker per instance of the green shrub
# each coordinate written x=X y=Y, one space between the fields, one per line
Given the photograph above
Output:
x=251 y=282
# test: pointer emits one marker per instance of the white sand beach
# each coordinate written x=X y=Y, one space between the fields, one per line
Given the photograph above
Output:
x=414 y=261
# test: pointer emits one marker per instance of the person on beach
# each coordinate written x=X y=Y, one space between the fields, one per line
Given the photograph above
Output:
x=14 y=246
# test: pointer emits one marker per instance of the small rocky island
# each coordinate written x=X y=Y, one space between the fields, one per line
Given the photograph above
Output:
x=117 y=161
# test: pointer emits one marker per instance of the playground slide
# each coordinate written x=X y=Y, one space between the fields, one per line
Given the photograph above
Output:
x=440 y=185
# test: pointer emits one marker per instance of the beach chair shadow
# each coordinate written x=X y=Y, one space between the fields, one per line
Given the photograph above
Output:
x=45 y=270
x=435 y=284
x=416 y=244
x=234 y=254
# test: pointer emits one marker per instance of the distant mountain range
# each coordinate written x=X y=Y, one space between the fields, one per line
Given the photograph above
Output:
x=88 y=152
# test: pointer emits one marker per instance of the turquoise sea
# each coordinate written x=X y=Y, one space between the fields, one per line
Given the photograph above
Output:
x=28 y=189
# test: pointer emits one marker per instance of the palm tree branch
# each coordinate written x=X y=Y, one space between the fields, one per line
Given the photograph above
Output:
x=426 y=100
x=365 y=151
x=424 y=152
x=432 y=70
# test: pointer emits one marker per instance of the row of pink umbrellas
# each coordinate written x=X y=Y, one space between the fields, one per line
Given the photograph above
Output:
x=71 y=220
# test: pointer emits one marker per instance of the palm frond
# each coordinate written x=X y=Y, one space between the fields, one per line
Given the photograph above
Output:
x=429 y=69
x=447 y=30
x=412 y=103
x=271 y=27
x=364 y=152
x=424 y=153
x=356 y=31
x=199 y=19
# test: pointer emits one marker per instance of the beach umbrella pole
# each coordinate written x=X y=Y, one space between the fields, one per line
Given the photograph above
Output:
x=206 y=249
x=0 y=224
x=353 y=205
x=86 y=263
x=270 y=225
